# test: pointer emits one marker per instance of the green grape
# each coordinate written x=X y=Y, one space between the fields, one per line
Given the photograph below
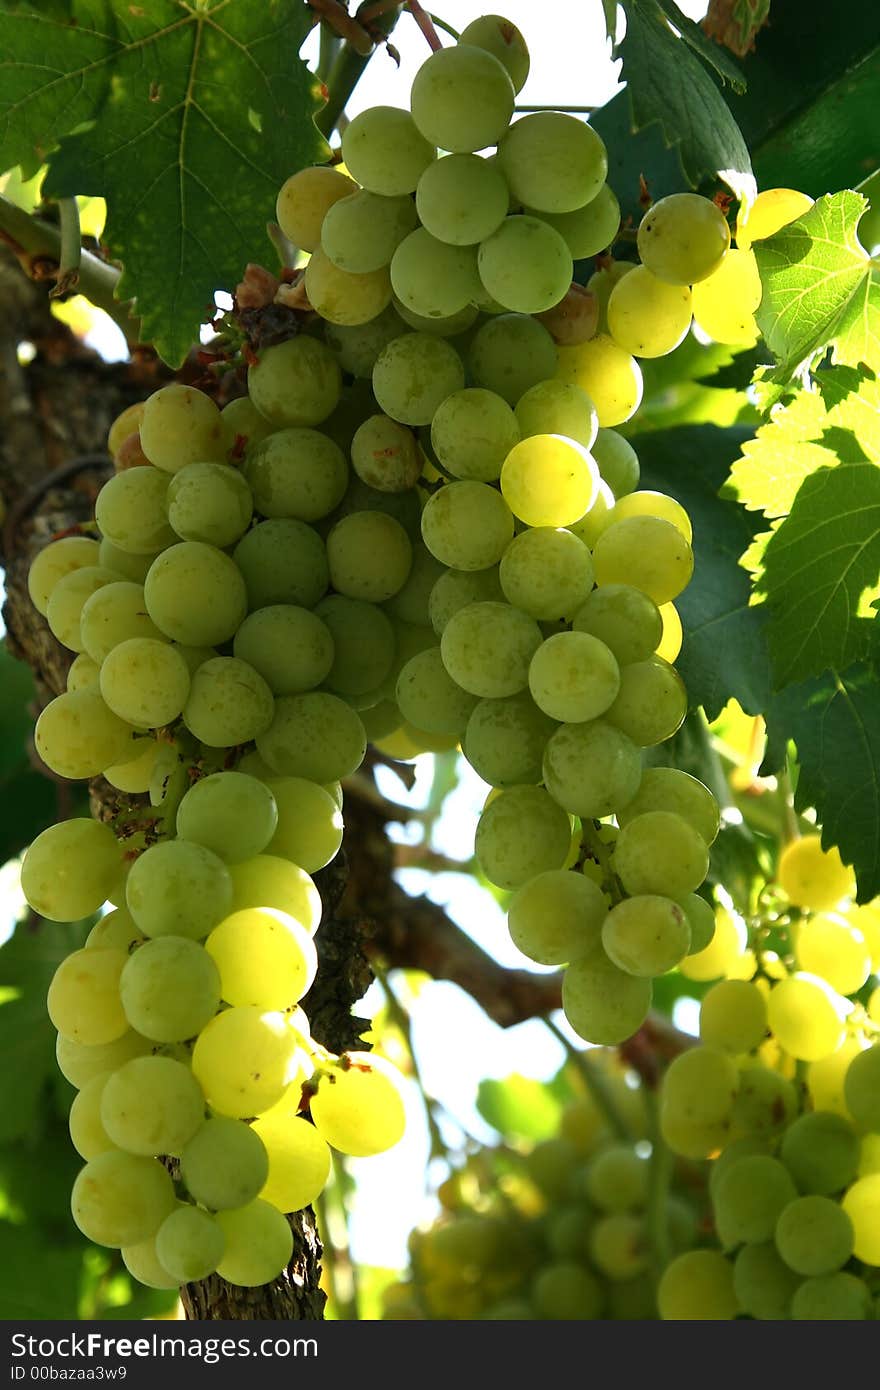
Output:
x=87 y=1134
x=651 y=703
x=472 y=433
x=511 y=353
x=548 y=480
x=522 y=832
x=617 y=1179
x=259 y=1244
x=698 y=1285
x=431 y=278
x=461 y=99
x=763 y=1283
x=619 y=1246
x=190 y=1243
x=505 y=740
x=557 y=407
x=765 y=1101
x=504 y=41
x=591 y=769
x=57 y=559
x=297 y=473
x=369 y=555
x=429 y=698
x=550 y=1165
x=647 y=552
x=773 y=209
x=404 y=507
x=229 y=703
x=546 y=572
x=617 y=461
x=81 y=1063
x=358 y=1106
x=733 y=1016
x=573 y=677
x=861 y=1087
x=683 y=238
x=525 y=265
x=266 y=959
x=195 y=594
x=487 y=648
x=315 y=735
x=624 y=618
x=384 y=150
x=647 y=503
x=121 y=1199
x=659 y=852
x=209 y=502
x=282 y=561
x=69 y=869
x=670 y=789
x=309 y=824
x=673 y=634
x=467 y=525
x=602 y=282
x=363 y=644
x=749 y=1199
x=813 y=877
x=77 y=735
x=296 y=383
x=442 y=326
x=243 y=426
x=462 y=199
x=111 y=615
x=696 y=1101
x=68 y=598
x=566 y=1291
x=814 y=1236
x=117 y=931
x=299 y=1161
x=83 y=674
x=455 y=589
x=229 y=813
x=602 y=1003
x=289 y=647
x=724 y=303
x=357 y=345
x=589 y=527
x=385 y=455
x=244 y=1059
x=145 y=681
x=382 y=720
x=646 y=935
x=701 y=918
x=829 y=946
x=610 y=376
x=360 y=233
x=304 y=201
x=152 y=1105
x=556 y=916
x=647 y=316
x=225 y=1164
x=411 y=603
x=177 y=888
x=413 y=374
x=142 y=1263
x=409 y=639
x=840 y=1297
x=340 y=296
x=180 y=425
x=553 y=162
x=589 y=229
x=861 y=1203
x=806 y=1016
x=821 y=1151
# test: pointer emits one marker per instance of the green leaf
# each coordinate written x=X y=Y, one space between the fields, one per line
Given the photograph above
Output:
x=666 y=83
x=37 y=1281
x=821 y=569
x=714 y=54
x=724 y=654
x=835 y=724
x=520 y=1107
x=817 y=288
x=187 y=120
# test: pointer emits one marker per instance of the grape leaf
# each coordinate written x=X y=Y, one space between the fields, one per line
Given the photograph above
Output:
x=835 y=724
x=666 y=83
x=818 y=288
x=716 y=56
x=821 y=569
x=522 y=1107
x=197 y=113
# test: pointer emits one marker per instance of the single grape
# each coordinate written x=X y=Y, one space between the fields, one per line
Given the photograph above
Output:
x=646 y=935
x=461 y=99
x=358 y=1106
x=69 y=869
x=683 y=238
x=180 y=425
x=304 y=201
x=553 y=162
x=169 y=989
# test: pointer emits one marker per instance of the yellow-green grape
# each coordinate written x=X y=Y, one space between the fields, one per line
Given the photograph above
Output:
x=299 y=1160
x=356 y=346
x=696 y=1101
x=548 y=480
x=698 y=1285
x=602 y=1003
x=315 y=735
x=565 y=1291
x=867 y=920
x=827 y=945
x=617 y=1179
x=361 y=233
x=619 y=1247
x=69 y=869
x=840 y=1297
x=624 y=618
x=152 y=1105
x=384 y=454
x=861 y=1203
x=444 y=326
x=772 y=210
x=821 y=1151
x=229 y=813
x=861 y=1088
x=431 y=278
x=813 y=877
x=669 y=645
x=651 y=702
x=467 y=525
x=189 y=1243
x=806 y=1016
x=660 y=852
x=258 y=1244
x=68 y=598
x=546 y=572
x=505 y=739
x=363 y=645
x=243 y=426
x=573 y=677
x=557 y=407
x=358 y=1106
x=84 y=673
x=295 y=383
x=487 y=648
x=724 y=948
x=87 y=1134
x=724 y=304
x=589 y=229
x=385 y=151
x=511 y=353
x=142 y=1263
x=556 y=916
x=456 y=589
x=180 y=425
x=413 y=375
x=602 y=282
x=461 y=99
x=610 y=376
x=127 y=423
x=522 y=832
x=209 y=502
x=733 y=1016
x=177 y=888
x=525 y=265
x=244 y=1059
x=646 y=935
x=56 y=560
x=116 y=930
x=504 y=41
x=291 y=648
x=765 y=1101
x=617 y=461
x=266 y=959
x=282 y=561
x=553 y=162
x=647 y=503
x=297 y=473
x=647 y=316
x=646 y=552
x=683 y=238
x=304 y=201
x=229 y=703
x=826 y=1077
x=145 y=681
x=370 y=556
x=670 y=789
x=591 y=769
x=429 y=698
x=701 y=918
x=309 y=830
x=763 y=1283
x=225 y=1163
x=472 y=433
x=267 y=881
x=196 y=594
x=121 y=1199
x=78 y=735
x=80 y=1063
x=131 y=510
x=462 y=199
x=113 y=614
x=340 y=296
x=814 y=1235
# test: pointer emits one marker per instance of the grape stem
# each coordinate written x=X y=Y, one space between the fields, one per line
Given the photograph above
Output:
x=71 y=248
x=602 y=854
x=425 y=23
x=336 y=17
x=595 y=1083
x=447 y=28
